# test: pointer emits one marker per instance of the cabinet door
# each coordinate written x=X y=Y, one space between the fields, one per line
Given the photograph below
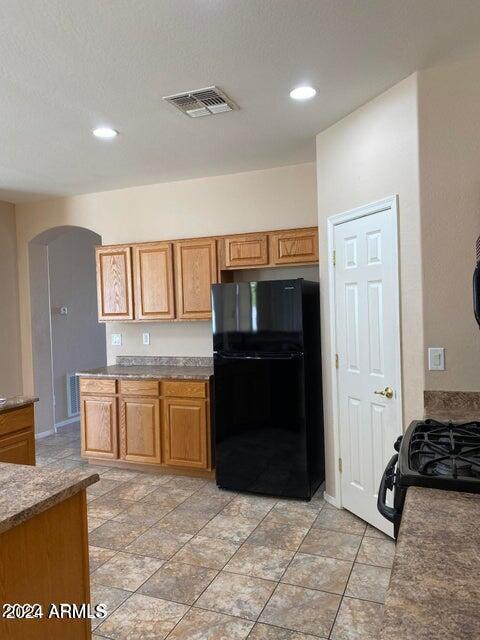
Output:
x=195 y=271
x=186 y=440
x=294 y=246
x=114 y=283
x=246 y=251
x=140 y=430
x=18 y=448
x=153 y=280
x=99 y=426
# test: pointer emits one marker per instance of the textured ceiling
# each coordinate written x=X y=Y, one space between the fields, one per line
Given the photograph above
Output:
x=67 y=66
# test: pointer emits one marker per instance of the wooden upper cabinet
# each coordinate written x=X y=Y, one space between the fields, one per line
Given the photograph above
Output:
x=294 y=246
x=140 y=430
x=186 y=438
x=246 y=251
x=195 y=271
x=153 y=281
x=114 y=283
x=99 y=426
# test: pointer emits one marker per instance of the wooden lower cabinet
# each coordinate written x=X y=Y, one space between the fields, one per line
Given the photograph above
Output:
x=44 y=560
x=140 y=430
x=17 y=436
x=186 y=437
x=160 y=423
x=18 y=448
x=99 y=426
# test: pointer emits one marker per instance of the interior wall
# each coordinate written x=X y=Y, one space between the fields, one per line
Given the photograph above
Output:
x=449 y=99
x=78 y=339
x=10 y=359
x=367 y=156
x=252 y=201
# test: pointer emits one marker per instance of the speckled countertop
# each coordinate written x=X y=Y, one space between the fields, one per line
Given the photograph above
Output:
x=26 y=491
x=434 y=591
x=17 y=402
x=150 y=371
x=454 y=415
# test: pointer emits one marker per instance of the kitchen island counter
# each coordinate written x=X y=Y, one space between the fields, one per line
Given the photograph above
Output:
x=44 y=550
x=26 y=491
x=434 y=592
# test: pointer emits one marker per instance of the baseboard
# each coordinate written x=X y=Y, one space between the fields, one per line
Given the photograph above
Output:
x=331 y=500
x=64 y=423
x=44 y=434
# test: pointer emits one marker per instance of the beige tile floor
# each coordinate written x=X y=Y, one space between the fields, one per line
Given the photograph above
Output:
x=175 y=557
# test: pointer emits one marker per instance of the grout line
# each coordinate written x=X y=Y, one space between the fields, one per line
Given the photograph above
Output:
x=346 y=584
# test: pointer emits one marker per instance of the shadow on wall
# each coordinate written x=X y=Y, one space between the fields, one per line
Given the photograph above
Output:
x=66 y=334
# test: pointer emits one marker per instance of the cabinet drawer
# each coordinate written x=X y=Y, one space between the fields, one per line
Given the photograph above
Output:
x=17 y=419
x=181 y=389
x=139 y=387
x=97 y=385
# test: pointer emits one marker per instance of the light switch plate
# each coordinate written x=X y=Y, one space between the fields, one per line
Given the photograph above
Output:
x=116 y=339
x=436 y=359
x=146 y=338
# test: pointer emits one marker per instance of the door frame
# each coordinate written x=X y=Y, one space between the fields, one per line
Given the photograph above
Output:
x=389 y=203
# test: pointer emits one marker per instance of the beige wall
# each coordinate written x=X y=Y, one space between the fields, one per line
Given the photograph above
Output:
x=257 y=200
x=367 y=156
x=10 y=361
x=449 y=118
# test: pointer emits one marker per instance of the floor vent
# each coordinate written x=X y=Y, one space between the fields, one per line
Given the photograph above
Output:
x=202 y=102
x=73 y=395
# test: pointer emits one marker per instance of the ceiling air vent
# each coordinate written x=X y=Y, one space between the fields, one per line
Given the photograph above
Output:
x=202 y=102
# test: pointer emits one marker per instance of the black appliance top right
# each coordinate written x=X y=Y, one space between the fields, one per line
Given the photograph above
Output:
x=261 y=316
x=441 y=455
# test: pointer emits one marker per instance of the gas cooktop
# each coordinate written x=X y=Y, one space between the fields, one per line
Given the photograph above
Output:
x=439 y=449
x=442 y=455
x=439 y=455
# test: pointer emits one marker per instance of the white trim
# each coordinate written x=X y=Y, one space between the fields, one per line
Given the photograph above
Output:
x=44 y=434
x=331 y=500
x=64 y=423
x=390 y=203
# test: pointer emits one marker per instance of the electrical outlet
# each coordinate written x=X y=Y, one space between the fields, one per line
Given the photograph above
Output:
x=116 y=339
x=146 y=338
x=436 y=359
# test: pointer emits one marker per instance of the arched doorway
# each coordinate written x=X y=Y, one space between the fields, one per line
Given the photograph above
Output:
x=66 y=334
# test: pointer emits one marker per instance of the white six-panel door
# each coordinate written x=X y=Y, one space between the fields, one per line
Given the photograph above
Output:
x=367 y=339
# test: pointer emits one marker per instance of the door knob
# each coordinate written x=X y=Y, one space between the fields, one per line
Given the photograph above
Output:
x=387 y=392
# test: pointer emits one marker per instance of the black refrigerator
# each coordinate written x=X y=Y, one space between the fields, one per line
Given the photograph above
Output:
x=268 y=387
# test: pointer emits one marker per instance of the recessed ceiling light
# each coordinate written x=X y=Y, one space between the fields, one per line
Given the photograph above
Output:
x=302 y=93
x=105 y=133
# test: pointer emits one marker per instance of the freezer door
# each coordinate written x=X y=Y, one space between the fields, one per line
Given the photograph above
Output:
x=258 y=316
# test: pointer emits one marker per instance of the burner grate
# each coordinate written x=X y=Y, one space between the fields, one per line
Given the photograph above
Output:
x=446 y=449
